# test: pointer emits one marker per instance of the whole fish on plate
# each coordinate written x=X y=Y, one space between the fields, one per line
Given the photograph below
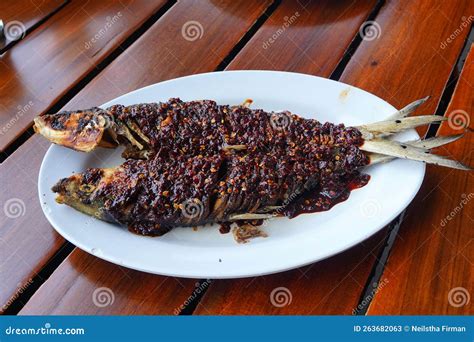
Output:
x=197 y=162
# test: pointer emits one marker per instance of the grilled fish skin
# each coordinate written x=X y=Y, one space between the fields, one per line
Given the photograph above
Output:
x=205 y=127
x=147 y=196
x=152 y=196
x=195 y=127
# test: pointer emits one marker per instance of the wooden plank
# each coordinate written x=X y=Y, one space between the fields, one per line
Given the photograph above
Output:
x=400 y=65
x=23 y=254
x=90 y=286
x=430 y=270
x=161 y=53
x=27 y=241
x=172 y=54
x=340 y=282
x=372 y=68
x=19 y=16
x=27 y=12
x=307 y=36
x=329 y=287
x=47 y=63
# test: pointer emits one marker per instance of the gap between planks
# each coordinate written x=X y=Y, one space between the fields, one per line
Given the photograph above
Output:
x=34 y=27
x=189 y=309
x=335 y=75
x=67 y=247
x=393 y=227
x=373 y=282
x=56 y=106
x=351 y=49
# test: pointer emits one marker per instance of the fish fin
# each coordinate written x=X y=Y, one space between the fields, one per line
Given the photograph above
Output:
x=376 y=158
x=403 y=150
x=392 y=126
x=250 y=216
x=410 y=108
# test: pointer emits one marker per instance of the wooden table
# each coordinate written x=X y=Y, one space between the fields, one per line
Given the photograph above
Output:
x=78 y=54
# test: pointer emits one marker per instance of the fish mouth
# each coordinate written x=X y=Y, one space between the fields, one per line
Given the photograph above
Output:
x=81 y=131
x=79 y=192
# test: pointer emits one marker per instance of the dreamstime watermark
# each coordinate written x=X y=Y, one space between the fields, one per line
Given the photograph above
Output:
x=192 y=208
x=459 y=119
x=465 y=22
x=288 y=21
x=370 y=30
x=457 y=209
x=370 y=208
x=280 y=121
x=14 y=30
x=110 y=21
x=21 y=288
x=458 y=296
x=192 y=30
x=199 y=288
x=103 y=296
x=280 y=297
x=97 y=215
x=47 y=329
x=14 y=208
x=376 y=287
x=21 y=110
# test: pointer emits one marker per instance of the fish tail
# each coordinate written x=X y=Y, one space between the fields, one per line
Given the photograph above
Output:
x=382 y=149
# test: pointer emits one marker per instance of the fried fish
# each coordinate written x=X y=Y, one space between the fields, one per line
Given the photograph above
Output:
x=197 y=162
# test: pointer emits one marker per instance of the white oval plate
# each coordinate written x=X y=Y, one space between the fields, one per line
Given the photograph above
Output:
x=206 y=253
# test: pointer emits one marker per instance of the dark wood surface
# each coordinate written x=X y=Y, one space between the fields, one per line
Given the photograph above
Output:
x=50 y=61
x=81 y=283
x=20 y=16
x=163 y=53
x=20 y=171
x=177 y=57
x=27 y=240
x=430 y=271
x=338 y=281
x=28 y=13
x=409 y=57
x=330 y=287
x=407 y=62
x=314 y=42
x=344 y=282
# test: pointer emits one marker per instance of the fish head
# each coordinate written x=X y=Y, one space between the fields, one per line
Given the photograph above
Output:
x=82 y=192
x=79 y=130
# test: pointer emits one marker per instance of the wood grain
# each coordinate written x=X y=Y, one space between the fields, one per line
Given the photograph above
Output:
x=430 y=270
x=27 y=11
x=306 y=36
x=86 y=285
x=372 y=68
x=24 y=14
x=27 y=241
x=161 y=53
x=41 y=68
x=340 y=280
x=164 y=53
x=341 y=284
x=408 y=60
x=328 y=287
